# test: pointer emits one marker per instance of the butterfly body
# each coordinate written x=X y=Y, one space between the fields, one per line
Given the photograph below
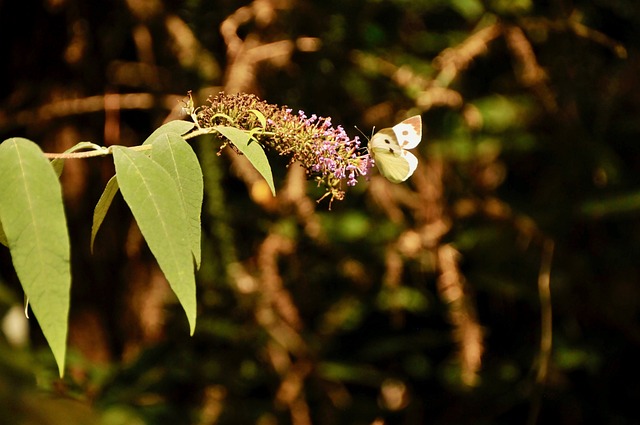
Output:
x=388 y=147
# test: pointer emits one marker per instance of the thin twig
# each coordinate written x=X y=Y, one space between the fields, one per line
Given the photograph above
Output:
x=93 y=153
x=546 y=329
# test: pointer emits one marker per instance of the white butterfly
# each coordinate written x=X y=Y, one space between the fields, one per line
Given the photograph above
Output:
x=388 y=148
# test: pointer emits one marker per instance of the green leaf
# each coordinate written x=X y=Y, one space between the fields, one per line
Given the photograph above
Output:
x=58 y=166
x=155 y=202
x=3 y=237
x=175 y=155
x=35 y=226
x=253 y=151
x=177 y=126
x=100 y=211
x=58 y=163
x=261 y=118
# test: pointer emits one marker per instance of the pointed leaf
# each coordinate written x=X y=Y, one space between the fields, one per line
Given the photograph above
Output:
x=260 y=116
x=177 y=126
x=58 y=163
x=35 y=226
x=175 y=155
x=3 y=237
x=58 y=166
x=100 y=211
x=253 y=151
x=154 y=200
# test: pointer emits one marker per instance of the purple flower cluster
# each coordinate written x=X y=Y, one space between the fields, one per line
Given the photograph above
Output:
x=336 y=154
x=326 y=152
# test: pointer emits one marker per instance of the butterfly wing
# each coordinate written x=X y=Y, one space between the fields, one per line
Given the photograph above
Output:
x=409 y=132
x=395 y=167
x=385 y=139
x=387 y=147
x=413 y=162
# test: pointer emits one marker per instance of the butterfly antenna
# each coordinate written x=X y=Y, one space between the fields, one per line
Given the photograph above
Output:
x=365 y=136
x=361 y=132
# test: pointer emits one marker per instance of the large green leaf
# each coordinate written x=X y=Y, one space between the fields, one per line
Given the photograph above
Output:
x=35 y=226
x=252 y=150
x=175 y=155
x=102 y=207
x=177 y=126
x=155 y=202
x=100 y=211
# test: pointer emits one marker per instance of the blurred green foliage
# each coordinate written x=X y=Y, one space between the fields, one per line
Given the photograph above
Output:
x=414 y=303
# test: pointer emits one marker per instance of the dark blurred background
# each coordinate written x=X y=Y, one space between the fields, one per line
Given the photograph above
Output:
x=499 y=285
